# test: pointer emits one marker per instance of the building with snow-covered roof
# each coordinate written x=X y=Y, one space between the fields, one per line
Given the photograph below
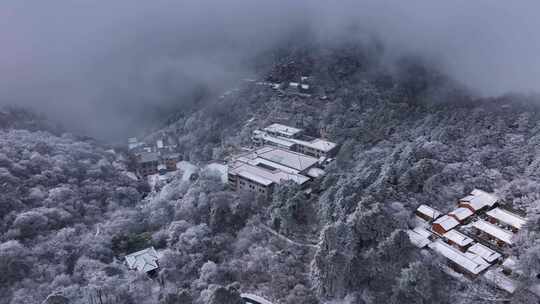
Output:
x=458 y=239
x=277 y=129
x=148 y=163
x=170 y=160
x=316 y=147
x=506 y=218
x=469 y=264
x=420 y=237
x=497 y=277
x=290 y=159
x=492 y=232
x=478 y=200
x=427 y=213
x=159 y=144
x=292 y=139
x=258 y=171
x=145 y=260
x=444 y=224
x=461 y=214
x=253 y=299
x=315 y=172
x=485 y=252
x=263 y=138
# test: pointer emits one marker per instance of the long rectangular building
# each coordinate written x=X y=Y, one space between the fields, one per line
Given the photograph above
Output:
x=478 y=200
x=502 y=236
x=506 y=218
x=485 y=252
x=294 y=139
x=465 y=262
x=258 y=171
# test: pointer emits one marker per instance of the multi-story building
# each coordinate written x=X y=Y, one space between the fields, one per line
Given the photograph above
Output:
x=148 y=163
x=160 y=158
x=258 y=171
x=170 y=160
x=294 y=139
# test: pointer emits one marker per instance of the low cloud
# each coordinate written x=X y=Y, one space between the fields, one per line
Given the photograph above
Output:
x=98 y=66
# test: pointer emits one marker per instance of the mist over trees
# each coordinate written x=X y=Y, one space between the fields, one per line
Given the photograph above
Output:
x=409 y=136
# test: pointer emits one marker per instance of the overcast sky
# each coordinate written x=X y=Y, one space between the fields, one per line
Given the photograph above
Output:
x=96 y=65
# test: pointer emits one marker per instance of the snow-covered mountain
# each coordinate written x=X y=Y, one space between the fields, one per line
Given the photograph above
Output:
x=408 y=136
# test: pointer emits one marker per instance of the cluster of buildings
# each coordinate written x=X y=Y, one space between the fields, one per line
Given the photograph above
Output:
x=153 y=159
x=282 y=154
x=472 y=237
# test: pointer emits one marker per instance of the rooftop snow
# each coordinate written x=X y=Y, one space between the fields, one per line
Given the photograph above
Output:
x=447 y=222
x=419 y=237
x=255 y=177
x=507 y=217
x=317 y=144
x=457 y=237
x=500 y=280
x=461 y=213
x=479 y=199
x=287 y=158
x=283 y=129
x=144 y=260
x=432 y=213
x=423 y=231
x=264 y=176
x=485 y=252
x=494 y=231
x=472 y=263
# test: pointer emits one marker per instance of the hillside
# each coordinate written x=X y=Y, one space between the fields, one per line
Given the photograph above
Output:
x=408 y=135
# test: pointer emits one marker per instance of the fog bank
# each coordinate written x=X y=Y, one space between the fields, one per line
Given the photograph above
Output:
x=101 y=66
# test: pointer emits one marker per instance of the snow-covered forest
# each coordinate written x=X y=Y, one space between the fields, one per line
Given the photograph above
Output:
x=408 y=135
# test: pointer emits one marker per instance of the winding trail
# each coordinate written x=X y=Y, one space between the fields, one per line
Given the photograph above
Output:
x=286 y=239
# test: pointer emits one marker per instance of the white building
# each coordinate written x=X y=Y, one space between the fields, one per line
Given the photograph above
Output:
x=145 y=260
